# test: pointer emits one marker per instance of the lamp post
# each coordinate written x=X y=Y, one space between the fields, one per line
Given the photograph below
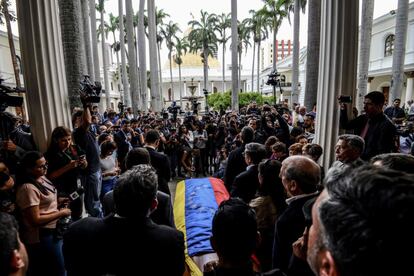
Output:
x=274 y=80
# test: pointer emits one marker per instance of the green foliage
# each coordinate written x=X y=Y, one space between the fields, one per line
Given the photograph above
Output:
x=224 y=99
x=219 y=99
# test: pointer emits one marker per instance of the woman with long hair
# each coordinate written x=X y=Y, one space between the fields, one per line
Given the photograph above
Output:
x=109 y=166
x=66 y=162
x=37 y=200
x=268 y=206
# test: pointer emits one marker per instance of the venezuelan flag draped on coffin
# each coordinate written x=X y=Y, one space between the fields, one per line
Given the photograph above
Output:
x=196 y=201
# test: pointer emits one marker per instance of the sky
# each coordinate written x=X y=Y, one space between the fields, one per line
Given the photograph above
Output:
x=181 y=12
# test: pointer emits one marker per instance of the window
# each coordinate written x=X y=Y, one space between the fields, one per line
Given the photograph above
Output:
x=389 y=45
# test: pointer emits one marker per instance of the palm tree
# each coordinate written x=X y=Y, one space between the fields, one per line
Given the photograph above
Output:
x=104 y=34
x=156 y=104
x=112 y=26
x=6 y=17
x=399 y=50
x=257 y=25
x=276 y=10
x=160 y=15
x=223 y=23
x=70 y=19
x=234 y=48
x=243 y=33
x=96 y=76
x=364 y=49
x=298 y=4
x=125 y=84
x=132 y=60
x=203 y=38
x=142 y=54
x=181 y=48
x=312 y=56
x=170 y=33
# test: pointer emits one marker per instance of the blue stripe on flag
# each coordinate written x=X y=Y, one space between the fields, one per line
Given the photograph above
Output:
x=200 y=206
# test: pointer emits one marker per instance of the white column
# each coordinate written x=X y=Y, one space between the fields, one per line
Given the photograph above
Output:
x=44 y=74
x=337 y=69
x=199 y=88
x=410 y=86
x=212 y=87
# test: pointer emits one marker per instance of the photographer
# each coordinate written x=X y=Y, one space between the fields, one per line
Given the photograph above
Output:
x=186 y=140
x=252 y=109
x=66 y=161
x=38 y=202
x=172 y=149
x=91 y=177
x=123 y=141
x=14 y=141
x=200 y=142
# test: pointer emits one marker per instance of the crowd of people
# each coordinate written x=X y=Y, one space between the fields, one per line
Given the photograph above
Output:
x=98 y=201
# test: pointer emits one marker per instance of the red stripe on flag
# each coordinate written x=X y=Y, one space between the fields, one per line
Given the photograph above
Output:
x=220 y=191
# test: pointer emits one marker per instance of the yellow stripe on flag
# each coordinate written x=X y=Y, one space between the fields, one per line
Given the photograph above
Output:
x=179 y=219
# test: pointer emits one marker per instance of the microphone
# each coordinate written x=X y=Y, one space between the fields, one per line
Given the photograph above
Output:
x=76 y=194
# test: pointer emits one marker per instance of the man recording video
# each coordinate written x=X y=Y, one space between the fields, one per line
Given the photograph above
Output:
x=374 y=127
x=85 y=138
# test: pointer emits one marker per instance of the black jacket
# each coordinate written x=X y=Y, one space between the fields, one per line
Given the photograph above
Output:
x=380 y=136
x=246 y=184
x=235 y=165
x=289 y=227
x=120 y=246
x=161 y=163
x=162 y=215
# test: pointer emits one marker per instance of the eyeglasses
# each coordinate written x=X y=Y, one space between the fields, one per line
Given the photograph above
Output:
x=44 y=166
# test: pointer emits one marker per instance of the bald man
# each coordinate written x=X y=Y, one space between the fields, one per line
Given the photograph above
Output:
x=300 y=176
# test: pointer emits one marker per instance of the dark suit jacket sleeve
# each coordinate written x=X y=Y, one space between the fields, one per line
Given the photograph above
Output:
x=166 y=168
x=229 y=172
x=176 y=261
x=386 y=138
x=357 y=123
x=164 y=212
x=236 y=189
x=77 y=260
x=282 y=249
x=243 y=187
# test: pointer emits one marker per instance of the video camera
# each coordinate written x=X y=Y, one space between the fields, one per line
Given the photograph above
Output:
x=121 y=107
x=90 y=92
x=7 y=100
x=173 y=109
x=76 y=194
x=345 y=99
x=273 y=78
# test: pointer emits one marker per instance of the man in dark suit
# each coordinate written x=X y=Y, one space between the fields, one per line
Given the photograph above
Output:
x=300 y=176
x=127 y=243
x=164 y=212
x=122 y=139
x=159 y=160
x=247 y=183
x=235 y=162
x=377 y=130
